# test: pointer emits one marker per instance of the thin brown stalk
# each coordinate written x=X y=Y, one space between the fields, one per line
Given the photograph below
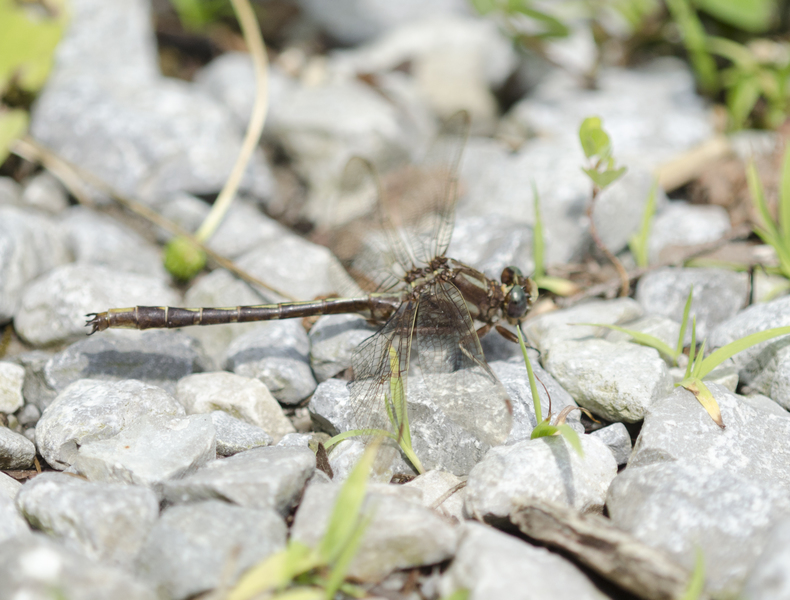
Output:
x=625 y=284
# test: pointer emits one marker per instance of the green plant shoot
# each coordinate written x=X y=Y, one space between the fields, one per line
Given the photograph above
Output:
x=397 y=412
x=279 y=573
x=598 y=148
x=698 y=366
x=638 y=242
x=544 y=428
x=696 y=583
x=776 y=233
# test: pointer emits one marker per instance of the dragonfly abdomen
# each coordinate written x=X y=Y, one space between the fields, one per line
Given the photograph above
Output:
x=376 y=306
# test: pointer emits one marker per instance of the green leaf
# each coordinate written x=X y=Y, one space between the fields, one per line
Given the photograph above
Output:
x=371 y=432
x=645 y=339
x=275 y=572
x=543 y=429
x=594 y=140
x=343 y=560
x=754 y=16
x=692 y=348
x=13 y=125
x=605 y=178
x=758 y=197
x=570 y=434
x=741 y=99
x=638 y=243
x=695 y=369
x=719 y=355
x=300 y=593
x=684 y=322
x=462 y=594
x=183 y=258
x=784 y=199
x=346 y=513
x=557 y=285
x=694 y=39
x=696 y=582
x=27 y=43
x=531 y=375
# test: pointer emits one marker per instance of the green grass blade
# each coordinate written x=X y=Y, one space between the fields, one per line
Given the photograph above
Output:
x=300 y=593
x=758 y=196
x=642 y=338
x=275 y=572
x=719 y=355
x=538 y=242
x=346 y=512
x=698 y=360
x=692 y=348
x=570 y=434
x=533 y=386
x=638 y=243
x=694 y=39
x=557 y=285
x=697 y=580
x=543 y=429
x=784 y=199
x=330 y=443
x=343 y=561
x=462 y=594
x=684 y=323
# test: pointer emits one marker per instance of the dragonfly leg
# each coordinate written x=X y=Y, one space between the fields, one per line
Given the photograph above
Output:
x=484 y=330
x=507 y=334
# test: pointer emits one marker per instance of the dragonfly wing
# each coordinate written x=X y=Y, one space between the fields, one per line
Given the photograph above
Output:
x=361 y=235
x=451 y=358
x=378 y=363
x=420 y=199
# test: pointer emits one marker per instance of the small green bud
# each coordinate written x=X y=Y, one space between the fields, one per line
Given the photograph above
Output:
x=183 y=259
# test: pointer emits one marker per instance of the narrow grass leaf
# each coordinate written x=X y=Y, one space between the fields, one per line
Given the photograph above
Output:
x=684 y=323
x=533 y=386
x=784 y=197
x=638 y=243
x=462 y=594
x=703 y=395
x=277 y=571
x=692 y=348
x=557 y=285
x=346 y=512
x=301 y=593
x=543 y=429
x=695 y=370
x=334 y=441
x=343 y=560
x=570 y=434
x=697 y=580
x=642 y=338
x=719 y=355
x=758 y=195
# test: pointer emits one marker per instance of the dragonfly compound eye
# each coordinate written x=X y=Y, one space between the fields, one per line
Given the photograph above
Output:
x=517 y=302
x=511 y=275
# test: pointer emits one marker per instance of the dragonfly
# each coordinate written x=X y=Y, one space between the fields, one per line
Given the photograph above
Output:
x=427 y=304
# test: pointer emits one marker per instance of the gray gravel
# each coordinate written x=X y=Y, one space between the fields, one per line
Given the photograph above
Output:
x=271 y=477
x=103 y=522
x=196 y=547
x=90 y=410
x=401 y=533
x=547 y=468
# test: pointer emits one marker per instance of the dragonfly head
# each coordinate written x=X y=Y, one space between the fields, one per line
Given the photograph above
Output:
x=520 y=293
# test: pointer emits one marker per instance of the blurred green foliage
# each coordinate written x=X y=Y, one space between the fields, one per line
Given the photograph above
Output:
x=29 y=33
x=196 y=15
